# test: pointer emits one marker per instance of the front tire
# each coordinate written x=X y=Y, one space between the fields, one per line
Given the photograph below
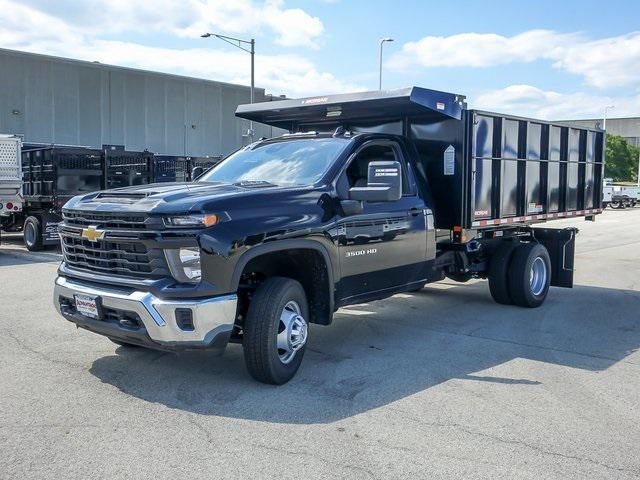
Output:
x=32 y=234
x=529 y=275
x=275 y=330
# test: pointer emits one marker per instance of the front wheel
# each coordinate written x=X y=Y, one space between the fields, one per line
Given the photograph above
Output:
x=32 y=234
x=275 y=330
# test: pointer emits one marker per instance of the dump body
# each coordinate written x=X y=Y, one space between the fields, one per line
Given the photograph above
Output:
x=52 y=175
x=491 y=169
x=124 y=168
x=483 y=169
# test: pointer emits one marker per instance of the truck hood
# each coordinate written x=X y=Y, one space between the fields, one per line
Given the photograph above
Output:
x=162 y=198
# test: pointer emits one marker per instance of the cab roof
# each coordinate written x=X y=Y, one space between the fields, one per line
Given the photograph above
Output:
x=344 y=109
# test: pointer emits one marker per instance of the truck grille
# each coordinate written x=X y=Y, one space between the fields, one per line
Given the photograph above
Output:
x=124 y=250
x=104 y=221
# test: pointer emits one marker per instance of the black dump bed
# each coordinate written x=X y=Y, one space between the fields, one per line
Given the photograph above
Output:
x=54 y=174
x=60 y=172
x=483 y=169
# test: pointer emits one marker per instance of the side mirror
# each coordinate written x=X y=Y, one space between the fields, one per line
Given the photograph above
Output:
x=384 y=183
x=196 y=172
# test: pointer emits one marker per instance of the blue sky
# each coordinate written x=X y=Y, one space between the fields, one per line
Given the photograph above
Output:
x=560 y=59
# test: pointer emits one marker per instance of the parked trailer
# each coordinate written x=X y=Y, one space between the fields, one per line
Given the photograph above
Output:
x=619 y=196
x=10 y=177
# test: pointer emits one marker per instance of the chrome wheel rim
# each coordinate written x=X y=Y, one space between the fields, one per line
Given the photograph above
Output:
x=538 y=276
x=30 y=234
x=292 y=332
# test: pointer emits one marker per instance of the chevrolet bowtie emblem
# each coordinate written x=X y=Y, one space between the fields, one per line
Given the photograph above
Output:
x=92 y=234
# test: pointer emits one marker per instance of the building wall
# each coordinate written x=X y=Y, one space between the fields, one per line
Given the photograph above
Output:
x=55 y=100
x=629 y=128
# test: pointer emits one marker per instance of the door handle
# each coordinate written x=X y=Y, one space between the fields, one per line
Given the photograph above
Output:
x=415 y=211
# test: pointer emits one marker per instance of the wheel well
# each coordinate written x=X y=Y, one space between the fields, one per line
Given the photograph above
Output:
x=307 y=266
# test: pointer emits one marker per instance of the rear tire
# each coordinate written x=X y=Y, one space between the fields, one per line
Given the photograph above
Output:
x=529 y=275
x=32 y=234
x=499 y=273
x=275 y=330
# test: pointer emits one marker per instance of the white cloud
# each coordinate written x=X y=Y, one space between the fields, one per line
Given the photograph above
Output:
x=293 y=75
x=478 y=49
x=293 y=27
x=33 y=30
x=530 y=101
x=604 y=63
x=609 y=62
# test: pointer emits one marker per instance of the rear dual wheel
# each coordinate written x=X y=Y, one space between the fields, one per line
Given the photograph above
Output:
x=520 y=274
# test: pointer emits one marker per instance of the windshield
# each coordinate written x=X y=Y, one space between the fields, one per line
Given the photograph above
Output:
x=300 y=161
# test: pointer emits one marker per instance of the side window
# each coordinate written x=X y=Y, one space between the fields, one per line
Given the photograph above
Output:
x=358 y=169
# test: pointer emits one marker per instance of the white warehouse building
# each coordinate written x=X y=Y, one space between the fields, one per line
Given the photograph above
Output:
x=53 y=100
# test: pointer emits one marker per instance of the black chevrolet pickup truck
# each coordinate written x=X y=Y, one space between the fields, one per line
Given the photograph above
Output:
x=369 y=195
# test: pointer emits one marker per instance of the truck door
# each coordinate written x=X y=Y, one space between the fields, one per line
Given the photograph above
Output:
x=384 y=247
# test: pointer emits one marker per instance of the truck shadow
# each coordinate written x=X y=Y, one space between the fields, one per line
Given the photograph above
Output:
x=382 y=352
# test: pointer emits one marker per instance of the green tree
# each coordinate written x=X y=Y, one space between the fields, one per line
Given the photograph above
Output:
x=621 y=160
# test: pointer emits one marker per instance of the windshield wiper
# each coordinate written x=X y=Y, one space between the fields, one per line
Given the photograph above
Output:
x=254 y=183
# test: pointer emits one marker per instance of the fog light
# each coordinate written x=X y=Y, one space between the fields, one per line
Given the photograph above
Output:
x=184 y=264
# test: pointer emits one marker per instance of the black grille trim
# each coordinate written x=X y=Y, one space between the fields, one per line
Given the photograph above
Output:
x=110 y=221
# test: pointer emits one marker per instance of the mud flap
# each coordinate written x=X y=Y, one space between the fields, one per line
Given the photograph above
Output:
x=561 y=246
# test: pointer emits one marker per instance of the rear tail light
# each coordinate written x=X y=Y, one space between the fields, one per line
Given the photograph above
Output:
x=10 y=206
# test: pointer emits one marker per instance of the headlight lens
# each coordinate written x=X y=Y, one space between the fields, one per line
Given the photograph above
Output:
x=184 y=264
x=196 y=220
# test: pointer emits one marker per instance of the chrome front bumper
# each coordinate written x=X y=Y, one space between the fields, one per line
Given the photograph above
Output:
x=213 y=318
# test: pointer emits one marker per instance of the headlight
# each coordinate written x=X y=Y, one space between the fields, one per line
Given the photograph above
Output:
x=184 y=264
x=196 y=220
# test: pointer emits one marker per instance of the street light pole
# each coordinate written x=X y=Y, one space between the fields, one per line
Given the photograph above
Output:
x=604 y=120
x=382 y=42
x=638 y=179
x=253 y=56
x=238 y=43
